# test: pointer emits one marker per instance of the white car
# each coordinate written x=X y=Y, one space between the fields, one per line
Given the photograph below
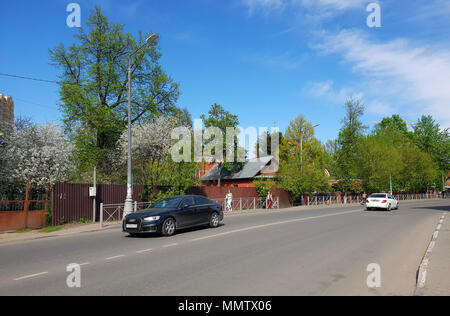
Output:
x=382 y=200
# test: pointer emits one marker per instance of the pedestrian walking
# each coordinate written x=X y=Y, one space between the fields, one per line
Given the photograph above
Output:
x=269 y=200
x=229 y=201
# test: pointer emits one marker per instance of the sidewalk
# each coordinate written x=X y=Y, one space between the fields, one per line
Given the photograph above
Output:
x=436 y=280
x=73 y=229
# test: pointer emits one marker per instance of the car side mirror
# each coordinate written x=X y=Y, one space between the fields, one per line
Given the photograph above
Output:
x=184 y=206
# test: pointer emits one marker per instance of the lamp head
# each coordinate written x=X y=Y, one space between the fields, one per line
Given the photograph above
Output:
x=152 y=38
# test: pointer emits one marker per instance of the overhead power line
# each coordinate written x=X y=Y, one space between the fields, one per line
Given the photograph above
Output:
x=27 y=78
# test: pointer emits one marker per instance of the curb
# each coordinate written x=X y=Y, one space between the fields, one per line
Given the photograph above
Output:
x=422 y=272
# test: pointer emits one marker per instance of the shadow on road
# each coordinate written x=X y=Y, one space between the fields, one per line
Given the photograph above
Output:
x=178 y=232
x=443 y=208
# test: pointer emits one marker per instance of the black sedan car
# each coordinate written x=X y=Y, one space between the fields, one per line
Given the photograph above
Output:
x=168 y=215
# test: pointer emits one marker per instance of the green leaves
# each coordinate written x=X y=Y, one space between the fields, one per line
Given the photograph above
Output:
x=393 y=154
x=312 y=178
x=430 y=139
x=94 y=82
x=349 y=136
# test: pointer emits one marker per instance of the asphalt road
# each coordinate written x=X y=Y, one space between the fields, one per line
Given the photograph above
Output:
x=309 y=252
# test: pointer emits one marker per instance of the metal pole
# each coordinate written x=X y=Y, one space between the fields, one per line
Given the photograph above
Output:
x=101 y=215
x=128 y=207
x=301 y=152
x=390 y=184
x=95 y=197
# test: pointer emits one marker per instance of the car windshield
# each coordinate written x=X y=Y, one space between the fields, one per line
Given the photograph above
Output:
x=378 y=196
x=167 y=203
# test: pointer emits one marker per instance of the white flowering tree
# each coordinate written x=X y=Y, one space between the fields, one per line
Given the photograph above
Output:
x=39 y=153
x=152 y=164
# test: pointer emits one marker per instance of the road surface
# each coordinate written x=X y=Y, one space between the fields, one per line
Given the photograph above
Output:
x=309 y=252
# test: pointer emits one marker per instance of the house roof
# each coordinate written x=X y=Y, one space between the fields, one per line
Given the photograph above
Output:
x=249 y=170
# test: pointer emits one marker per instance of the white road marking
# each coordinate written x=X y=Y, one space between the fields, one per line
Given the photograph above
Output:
x=171 y=245
x=142 y=251
x=84 y=264
x=30 y=276
x=273 y=224
x=436 y=234
x=115 y=257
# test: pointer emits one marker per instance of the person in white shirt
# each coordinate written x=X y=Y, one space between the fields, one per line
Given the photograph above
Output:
x=229 y=201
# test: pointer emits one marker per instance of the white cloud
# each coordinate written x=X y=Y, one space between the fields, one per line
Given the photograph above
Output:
x=333 y=4
x=419 y=74
x=327 y=90
x=268 y=6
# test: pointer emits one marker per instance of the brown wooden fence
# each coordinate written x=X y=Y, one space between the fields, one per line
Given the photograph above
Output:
x=19 y=214
x=72 y=203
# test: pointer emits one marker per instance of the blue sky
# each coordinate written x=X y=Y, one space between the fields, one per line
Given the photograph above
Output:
x=264 y=60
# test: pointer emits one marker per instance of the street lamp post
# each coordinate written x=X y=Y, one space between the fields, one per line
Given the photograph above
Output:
x=301 y=148
x=128 y=207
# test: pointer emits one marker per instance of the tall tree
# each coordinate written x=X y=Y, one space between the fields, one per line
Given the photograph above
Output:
x=93 y=86
x=436 y=142
x=311 y=178
x=392 y=154
x=394 y=123
x=222 y=119
x=349 y=135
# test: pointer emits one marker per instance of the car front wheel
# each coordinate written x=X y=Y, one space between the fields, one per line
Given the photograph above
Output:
x=168 y=227
x=214 y=220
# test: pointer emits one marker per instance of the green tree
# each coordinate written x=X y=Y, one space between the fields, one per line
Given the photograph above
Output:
x=394 y=124
x=171 y=178
x=222 y=119
x=263 y=186
x=349 y=136
x=378 y=159
x=393 y=154
x=311 y=178
x=432 y=140
x=93 y=87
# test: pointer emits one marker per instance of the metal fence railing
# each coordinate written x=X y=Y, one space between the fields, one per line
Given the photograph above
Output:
x=318 y=200
x=250 y=203
x=421 y=196
x=112 y=214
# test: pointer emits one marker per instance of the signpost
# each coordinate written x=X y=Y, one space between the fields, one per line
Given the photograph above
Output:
x=93 y=194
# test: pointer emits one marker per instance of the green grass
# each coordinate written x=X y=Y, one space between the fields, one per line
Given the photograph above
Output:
x=50 y=229
x=24 y=230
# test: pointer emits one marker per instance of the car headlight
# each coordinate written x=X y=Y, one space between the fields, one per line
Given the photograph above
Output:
x=152 y=218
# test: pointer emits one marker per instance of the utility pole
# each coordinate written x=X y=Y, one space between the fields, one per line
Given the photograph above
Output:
x=128 y=205
x=94 y=204
x=390 y=184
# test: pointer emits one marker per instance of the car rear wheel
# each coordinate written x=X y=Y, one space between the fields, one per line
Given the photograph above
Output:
x=389 y=208
x=214 y=220
x=168 y=227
